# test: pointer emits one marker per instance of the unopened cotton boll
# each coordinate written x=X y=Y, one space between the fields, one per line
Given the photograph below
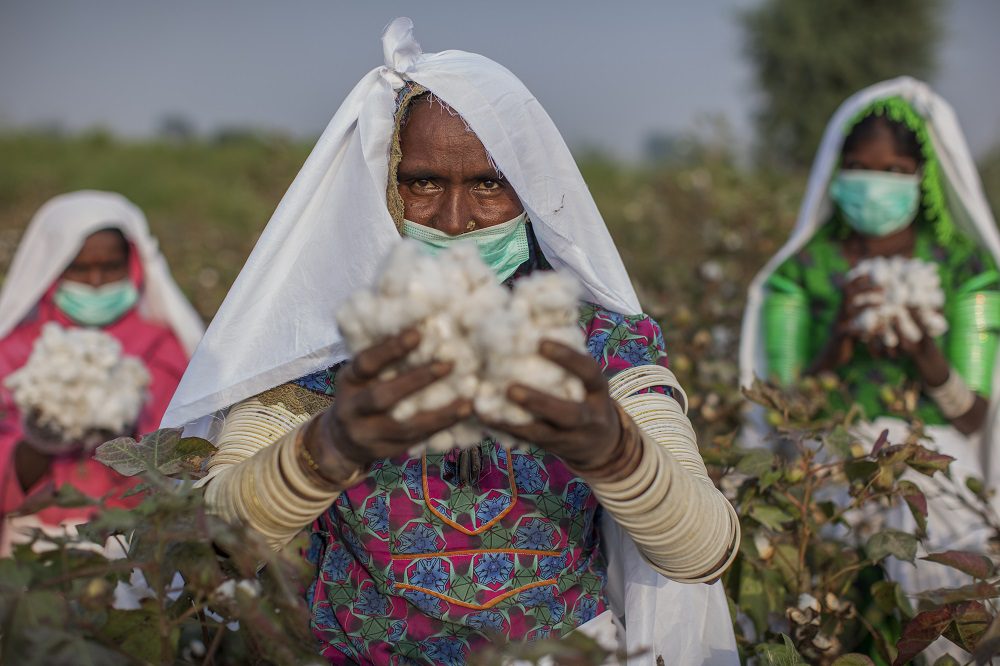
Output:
x=906 y=286
x=77 y=381
x=489 y=334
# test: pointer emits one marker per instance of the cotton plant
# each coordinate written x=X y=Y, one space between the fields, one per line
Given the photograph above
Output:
x=905 y=286
x=488 y=333
x=77 y=382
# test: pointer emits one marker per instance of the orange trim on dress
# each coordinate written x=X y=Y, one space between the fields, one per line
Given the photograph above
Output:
x=464 y=604
x=449 y=521
x=475 y=551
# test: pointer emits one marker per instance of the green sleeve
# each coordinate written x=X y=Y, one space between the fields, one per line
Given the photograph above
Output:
x=785 y=323
x=973 y=313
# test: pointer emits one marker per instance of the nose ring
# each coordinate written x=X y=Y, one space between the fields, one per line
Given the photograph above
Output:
x=471 y=225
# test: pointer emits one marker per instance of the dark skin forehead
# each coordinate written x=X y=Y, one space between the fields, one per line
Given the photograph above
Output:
x=878 y=152
x=445 y=176
x=102 y=259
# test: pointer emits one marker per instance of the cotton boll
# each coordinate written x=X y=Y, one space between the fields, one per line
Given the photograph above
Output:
x=905 y=284
x=76 y=382
x=490 y=335
x=543 y=307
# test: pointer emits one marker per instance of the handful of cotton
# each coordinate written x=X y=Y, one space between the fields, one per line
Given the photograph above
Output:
x=77 y=382
x=906 y=286
x=489 y=334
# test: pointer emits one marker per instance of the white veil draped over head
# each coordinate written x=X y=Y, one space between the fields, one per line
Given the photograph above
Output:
x=54 y=238
x=964 y=196
x=332 y=229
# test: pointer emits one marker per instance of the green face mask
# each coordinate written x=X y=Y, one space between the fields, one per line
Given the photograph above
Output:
x=503 y=247
x=96 y=306
x=876 y=203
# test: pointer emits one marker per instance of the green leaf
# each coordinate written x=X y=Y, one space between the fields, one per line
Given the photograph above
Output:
x=770 y=517
x=860 y=470
x=163 y=452
x=853 y=659
x=974 y=564
x=769 y=478
x=775 y=654
x=989 y=643
x=839 y=440
x=892 y=542
x=137 y=633
x=755 y=462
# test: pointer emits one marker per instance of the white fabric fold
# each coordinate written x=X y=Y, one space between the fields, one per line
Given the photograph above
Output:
x=54 y=238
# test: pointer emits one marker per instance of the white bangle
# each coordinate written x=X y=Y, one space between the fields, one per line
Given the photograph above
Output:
x=954 y=398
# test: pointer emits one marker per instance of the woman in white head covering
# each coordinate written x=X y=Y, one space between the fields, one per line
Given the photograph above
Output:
x=894 y=180
x=87 y=260
x=423 y=559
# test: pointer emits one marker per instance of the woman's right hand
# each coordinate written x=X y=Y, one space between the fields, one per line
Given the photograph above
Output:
x=852 y=305
x=358 y=428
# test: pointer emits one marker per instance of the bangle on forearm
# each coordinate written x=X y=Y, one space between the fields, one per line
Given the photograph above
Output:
x=954 y=398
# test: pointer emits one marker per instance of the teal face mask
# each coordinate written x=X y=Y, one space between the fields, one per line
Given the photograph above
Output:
x=876 y=203
x=96 y=306
x=503 y=247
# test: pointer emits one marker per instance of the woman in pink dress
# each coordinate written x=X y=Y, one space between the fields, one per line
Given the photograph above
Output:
x=86 y=260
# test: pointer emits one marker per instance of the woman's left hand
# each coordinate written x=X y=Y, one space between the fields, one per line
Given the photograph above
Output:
x=584 y=433
x=928 y=357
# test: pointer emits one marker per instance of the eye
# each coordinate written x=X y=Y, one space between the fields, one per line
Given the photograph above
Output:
x=489 y=185
x=423 y=185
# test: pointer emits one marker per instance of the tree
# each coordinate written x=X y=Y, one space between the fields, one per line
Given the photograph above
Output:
x=810 y=56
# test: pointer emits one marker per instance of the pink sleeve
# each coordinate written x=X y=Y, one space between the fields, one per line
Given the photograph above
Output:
x=11 y=495
x=166 y=361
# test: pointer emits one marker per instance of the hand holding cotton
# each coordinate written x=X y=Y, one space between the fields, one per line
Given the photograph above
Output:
x=77 y=382
x=905 y=287
x=489 y=335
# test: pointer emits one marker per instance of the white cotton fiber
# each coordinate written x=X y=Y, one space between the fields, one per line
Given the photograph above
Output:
x=77 y=381
x=905 y=284
x=489 y=333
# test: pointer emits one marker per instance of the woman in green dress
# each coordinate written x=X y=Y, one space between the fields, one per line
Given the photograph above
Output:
x=893 y=178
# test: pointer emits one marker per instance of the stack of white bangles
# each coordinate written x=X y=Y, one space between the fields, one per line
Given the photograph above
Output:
x=270 y=493
x=669 y=505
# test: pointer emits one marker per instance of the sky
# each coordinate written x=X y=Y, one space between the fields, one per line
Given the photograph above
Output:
x=609 y=73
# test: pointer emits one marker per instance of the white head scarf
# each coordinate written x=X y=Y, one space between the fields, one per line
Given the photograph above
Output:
x=333 y=226
x=964 y=198
x=54 y=238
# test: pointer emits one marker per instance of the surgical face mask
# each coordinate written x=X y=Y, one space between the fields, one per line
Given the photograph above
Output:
x=96 y=306
x=503 y=247
x=876 y=203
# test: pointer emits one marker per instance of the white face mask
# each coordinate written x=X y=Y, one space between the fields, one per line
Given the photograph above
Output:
x=503 y=247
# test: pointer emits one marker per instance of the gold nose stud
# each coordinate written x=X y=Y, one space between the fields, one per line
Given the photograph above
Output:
x=471 y=225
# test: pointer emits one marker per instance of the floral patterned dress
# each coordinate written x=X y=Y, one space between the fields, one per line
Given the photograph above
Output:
x=415 y=567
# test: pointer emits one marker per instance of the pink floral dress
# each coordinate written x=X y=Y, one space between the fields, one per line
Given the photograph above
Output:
x=413 y=566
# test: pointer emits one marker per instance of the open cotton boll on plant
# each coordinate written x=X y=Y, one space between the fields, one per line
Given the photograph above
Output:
x=488 y=333
x=904 y=286
x=77 y=382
